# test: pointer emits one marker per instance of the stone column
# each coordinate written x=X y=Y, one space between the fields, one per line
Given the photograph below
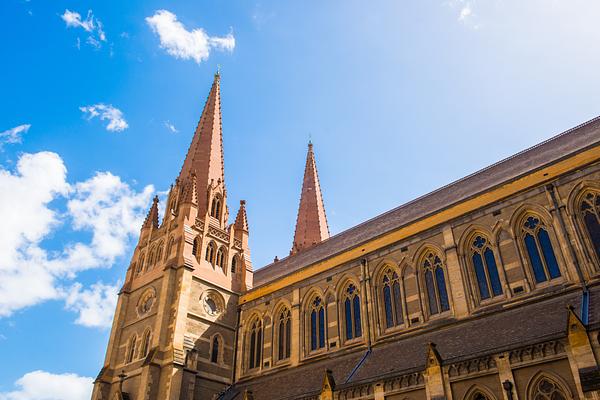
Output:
x=379 y=391
x=581 y=356
x=434 y=378
x=296 y=340
x=505 y=374
x=455 y=276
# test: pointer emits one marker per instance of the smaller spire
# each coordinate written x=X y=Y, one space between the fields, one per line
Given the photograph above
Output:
x=152 y=217
x=311 y=223
x=241 y=219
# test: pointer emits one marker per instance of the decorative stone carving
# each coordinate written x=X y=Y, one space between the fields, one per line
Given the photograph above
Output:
x=212 y=302
x=146 y=302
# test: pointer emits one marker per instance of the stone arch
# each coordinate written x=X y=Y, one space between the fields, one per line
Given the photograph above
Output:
x=387 y=284
x=574 y=203
x=436 y=298
x=546 y=383
x=218 y=348
x=477 y=389
x=517 y=223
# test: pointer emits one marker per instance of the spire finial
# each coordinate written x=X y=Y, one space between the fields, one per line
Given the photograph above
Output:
x=218 y=73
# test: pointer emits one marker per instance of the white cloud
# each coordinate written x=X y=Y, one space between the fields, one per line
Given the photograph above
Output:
x=41 y=385
x=95 y=306
x=184 y=44
x=103 y=205
x=465 y=12
x=13 y=135
x=116 y=121
x=90 y=24
x=171 y=127
x=466 y=15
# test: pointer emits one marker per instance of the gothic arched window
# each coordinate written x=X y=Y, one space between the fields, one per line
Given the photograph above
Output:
x=392 y=302
x=285 y=333
x=547 y=389
x=210 y=253
x=140 y=266
x=220 y=259
x=215 y=209
x=539 y=249
x=317 y=324
x=159 y=252
x=352 y=312
x=195 y=246
x=589 y=212
x=150 y=261
x=234 y=264
x=435 y=283
x=146 y=341
x=255 y=345
x=214 y=353
x=131 y=348
x=484 y=267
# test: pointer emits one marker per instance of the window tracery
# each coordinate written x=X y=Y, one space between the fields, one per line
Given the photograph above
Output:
x=589 y=213
x=255 y=345
x=392 y=301
x=131 y=348
x=284 y=334
x=485 y=269
x=146 y=341
x=435 y=284
x=317 y=324
x=210 y=253
x=539 y=249
x=352 y=312
x=548 y=389
x=220 y=258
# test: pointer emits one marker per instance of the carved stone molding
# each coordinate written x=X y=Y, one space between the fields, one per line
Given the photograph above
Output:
x=403 y=382
x=536 y=351
x=477 y=365
x=356 y=392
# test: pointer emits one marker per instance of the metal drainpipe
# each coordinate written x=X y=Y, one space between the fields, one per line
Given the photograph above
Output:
x=584 y=301
x=366 y=279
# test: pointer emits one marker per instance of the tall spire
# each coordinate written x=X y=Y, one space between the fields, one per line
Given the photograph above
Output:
x=311 y=225
x=152 y=217
x=205 y=155
x=241 y=219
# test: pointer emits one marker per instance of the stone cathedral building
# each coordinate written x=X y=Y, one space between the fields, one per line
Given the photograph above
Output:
x=485 y=289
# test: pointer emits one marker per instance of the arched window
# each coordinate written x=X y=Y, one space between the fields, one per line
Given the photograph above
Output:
x=589 y=212
x=352 y=312
x=545 y=388
x=215 y=209
x=234 y=264
x=150 y=259
x=435 y=283
x=131 y=348
x=484 y=267
x=317 y=324
x=255 y=345
x=539 y=249
x=285 y=333
x=170 y=246
x=146 y=341
x=159 y=252
x=195 y=246
x=214 y=353
x=392 y=302
x=140 y=267
x=220 y=259
x=210 y=253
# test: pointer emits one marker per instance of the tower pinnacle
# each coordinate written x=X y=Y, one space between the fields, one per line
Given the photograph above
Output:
x=311 y=225
x=205 y=155
x=152 y=217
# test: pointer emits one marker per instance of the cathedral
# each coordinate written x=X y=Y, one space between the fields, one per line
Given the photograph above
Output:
x=485 y=289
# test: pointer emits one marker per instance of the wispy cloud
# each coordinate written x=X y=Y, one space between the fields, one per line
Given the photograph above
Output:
x=466 y=14
x=90 y=24
x=184 y=44
x=171 y=127
x=114 y=116
x=13 y=135
x=95 y=306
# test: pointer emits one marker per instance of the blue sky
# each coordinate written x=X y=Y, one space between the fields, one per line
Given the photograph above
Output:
x=100 y=99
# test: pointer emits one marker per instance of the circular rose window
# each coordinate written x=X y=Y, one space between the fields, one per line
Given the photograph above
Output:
x=146 y=302
x=213 y=302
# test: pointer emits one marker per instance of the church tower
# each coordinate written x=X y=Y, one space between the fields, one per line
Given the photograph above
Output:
x=174 y=327
x=311 y=224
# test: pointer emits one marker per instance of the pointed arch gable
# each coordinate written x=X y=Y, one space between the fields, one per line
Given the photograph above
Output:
x=475 y=389
x=577 y=192
x=471 y=231
x=523 y=211
x=381 y=267
x=536 y=380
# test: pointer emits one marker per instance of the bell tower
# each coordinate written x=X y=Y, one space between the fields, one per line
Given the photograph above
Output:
x=173 y=332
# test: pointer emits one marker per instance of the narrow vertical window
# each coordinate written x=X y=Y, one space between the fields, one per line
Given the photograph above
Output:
x=317 y=324
x=146 y=343
x=234 y=264
x=131 y=350
x=539 y=250
x=210 y=253
x=485 y=268
x=589 y=212
x=214 y=355
x=435 y=283
x=255 y=344
x=352 y=313
x=220 y=257
x=391 y=299
x=215 y=209
x=284 y=334
x=195 y=246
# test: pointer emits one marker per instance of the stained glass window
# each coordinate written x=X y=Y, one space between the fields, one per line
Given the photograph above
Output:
x=539 y=250
x=391 y=299
x=352 y=313
x=435 y=283
x=484 y=266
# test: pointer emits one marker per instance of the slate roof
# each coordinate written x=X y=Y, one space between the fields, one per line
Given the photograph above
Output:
x=515 y=326
x=566 y=144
